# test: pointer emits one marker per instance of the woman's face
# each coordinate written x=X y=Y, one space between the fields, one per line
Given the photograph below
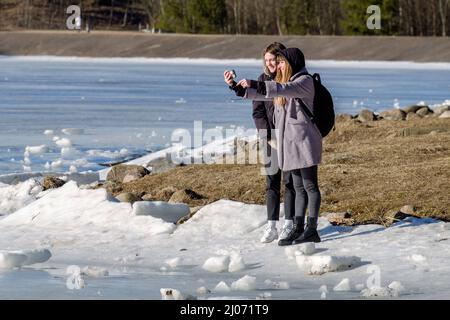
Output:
x=282 y=66
x=271 y=62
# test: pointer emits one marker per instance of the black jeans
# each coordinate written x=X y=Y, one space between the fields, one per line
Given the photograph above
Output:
x=302 y=191
x=273 y=187
x=273 y=184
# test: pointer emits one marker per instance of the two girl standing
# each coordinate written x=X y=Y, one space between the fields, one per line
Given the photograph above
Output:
x=289 y=88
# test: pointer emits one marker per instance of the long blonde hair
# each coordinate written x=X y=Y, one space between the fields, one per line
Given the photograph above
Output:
x=282 y=78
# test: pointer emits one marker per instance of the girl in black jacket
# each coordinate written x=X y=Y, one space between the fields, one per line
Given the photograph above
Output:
x=263 y=118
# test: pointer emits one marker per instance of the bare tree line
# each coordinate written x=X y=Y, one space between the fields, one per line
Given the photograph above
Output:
x=272 y=17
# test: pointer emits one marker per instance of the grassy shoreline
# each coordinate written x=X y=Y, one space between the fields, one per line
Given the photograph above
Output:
x=368 y=170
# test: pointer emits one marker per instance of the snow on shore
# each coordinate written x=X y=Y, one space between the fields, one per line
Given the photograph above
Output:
x=218 y=248
x=90 y=228
x=14 y=197
x=16 y=259
x=70 y=209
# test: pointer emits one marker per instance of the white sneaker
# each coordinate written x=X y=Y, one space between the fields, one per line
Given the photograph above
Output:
x=285 y=232
x=270 y=234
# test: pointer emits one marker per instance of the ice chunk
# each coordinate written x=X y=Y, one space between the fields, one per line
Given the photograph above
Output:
x=26 y=161
x=159 y=209
x=69 y=152
x=72 y=131
x=48 y=132
x=236 y=262
x=11 y=260
x=15 y=197
x=217 y=264
x=203 y=291
x=222 y=287
x=324 y=264
x=36 y=256
x=95 y=272
x=180 y=101
x=308 y=248
x=397 y=287
x=246 y=283
x=417 y=258
x=37 y=149
x=73 y=169
x=17 y=259
x=344 y=285
x=57 y=163
x=64 y=142
x=173 y=263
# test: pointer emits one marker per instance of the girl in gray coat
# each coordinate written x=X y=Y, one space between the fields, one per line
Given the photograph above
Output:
x=299 y=142
x=263 y=118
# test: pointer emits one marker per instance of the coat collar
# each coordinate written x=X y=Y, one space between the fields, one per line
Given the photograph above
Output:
x=302 y=72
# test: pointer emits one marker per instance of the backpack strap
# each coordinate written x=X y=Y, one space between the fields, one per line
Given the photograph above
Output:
x=315 y=77
x=306 y=109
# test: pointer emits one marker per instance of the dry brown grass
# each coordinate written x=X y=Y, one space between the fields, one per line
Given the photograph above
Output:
x=367 y=170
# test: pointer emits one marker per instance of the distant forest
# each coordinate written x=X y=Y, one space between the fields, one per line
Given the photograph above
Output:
x=269 y=17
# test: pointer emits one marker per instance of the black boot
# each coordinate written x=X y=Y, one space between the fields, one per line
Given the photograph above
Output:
x=310 y=234
x=299 y=227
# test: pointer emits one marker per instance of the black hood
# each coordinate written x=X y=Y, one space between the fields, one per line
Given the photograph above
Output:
x=295 y=57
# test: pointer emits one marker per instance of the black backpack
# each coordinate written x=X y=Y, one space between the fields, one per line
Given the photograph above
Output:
x=323 y=108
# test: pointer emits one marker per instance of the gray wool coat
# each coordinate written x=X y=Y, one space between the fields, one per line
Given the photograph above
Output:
x=299 y=142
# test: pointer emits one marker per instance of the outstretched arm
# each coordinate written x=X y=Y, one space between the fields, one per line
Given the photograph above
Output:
x=251 y=92
x=259 y=114
x=267 y=90
x=301 y=88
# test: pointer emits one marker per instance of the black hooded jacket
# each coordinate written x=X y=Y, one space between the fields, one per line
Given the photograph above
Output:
x=296 y=60
x=295 y=57
x=263 y=111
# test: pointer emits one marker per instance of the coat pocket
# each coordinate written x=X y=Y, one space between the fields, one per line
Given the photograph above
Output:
x=296 y=121
x=296 y=129
x=297 y=115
